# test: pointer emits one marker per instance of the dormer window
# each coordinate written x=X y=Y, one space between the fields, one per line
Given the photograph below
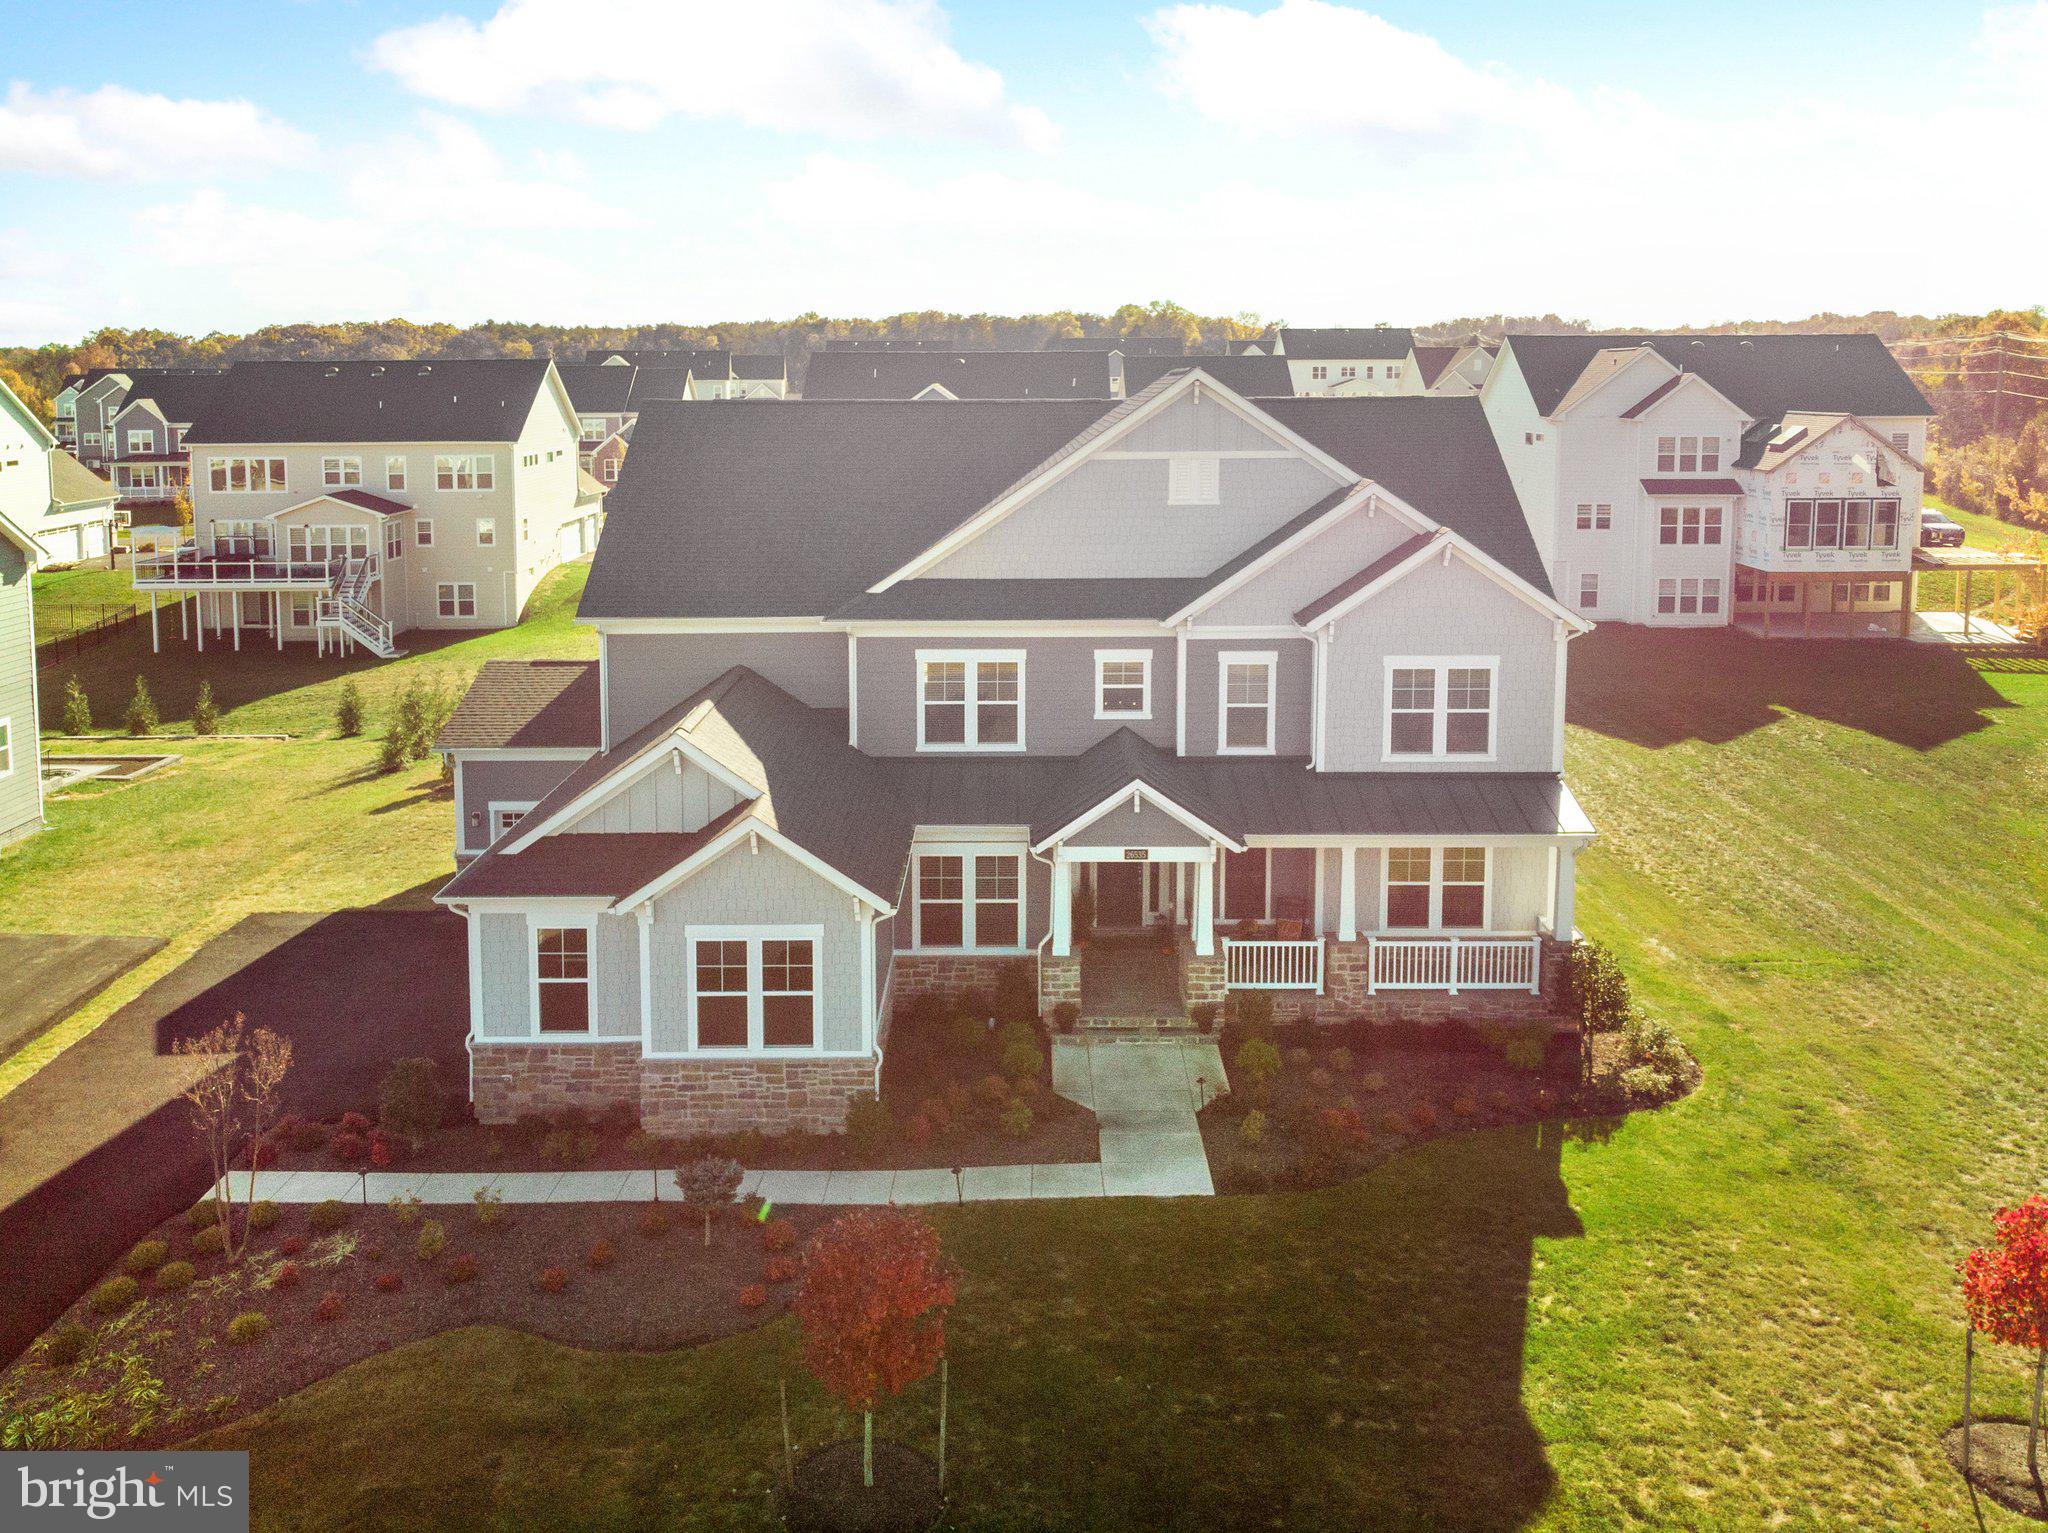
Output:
x=1193 y=479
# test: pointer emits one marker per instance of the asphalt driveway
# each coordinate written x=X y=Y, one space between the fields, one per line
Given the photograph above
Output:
x=97 y=1144
x=44 y=977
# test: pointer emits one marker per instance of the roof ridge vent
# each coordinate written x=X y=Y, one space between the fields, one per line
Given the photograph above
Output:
x=332 y=372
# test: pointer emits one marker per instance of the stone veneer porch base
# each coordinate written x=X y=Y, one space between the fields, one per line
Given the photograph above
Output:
x=511 y=1081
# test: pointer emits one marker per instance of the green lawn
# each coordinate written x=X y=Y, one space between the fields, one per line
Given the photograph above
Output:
x=1937 y=591
x=265 y=690
x=1826 y=866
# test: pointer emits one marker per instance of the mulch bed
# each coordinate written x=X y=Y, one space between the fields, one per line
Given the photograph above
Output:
x=830 y=1494
x=1336 y=1109
x=1998 y=1464
x=650 y=1292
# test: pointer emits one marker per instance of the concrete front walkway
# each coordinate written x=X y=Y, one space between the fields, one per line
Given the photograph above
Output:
x=1143 y=1093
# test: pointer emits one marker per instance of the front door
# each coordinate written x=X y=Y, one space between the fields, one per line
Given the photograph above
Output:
x=1119 y=894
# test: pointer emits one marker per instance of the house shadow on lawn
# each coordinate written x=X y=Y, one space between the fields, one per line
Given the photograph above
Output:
x=1351 y=1358
x=1660 y=686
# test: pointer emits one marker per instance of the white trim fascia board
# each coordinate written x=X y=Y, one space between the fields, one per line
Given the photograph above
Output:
x=1360 y=496
x=32 y=422
x=474 y=936
x=144 y=402
x=604 y=691
x=750 y=824
x=1017 y=495
x=628 y=772
x=1104 y=628
x=853 y=690
x=971 y=835
x=655 y=625
x=1685 y=378
x=577 y=906
x=1248 y=631
x=1138 y=787
x=1148 y=455
x=1194 y=855
x=230 y=445
x=1566 y=404
x=1442 y=544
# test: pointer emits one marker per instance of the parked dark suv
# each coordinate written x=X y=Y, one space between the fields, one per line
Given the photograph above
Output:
x=1937 y=531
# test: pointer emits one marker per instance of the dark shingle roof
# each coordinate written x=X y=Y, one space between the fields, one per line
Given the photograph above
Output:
x=467 y=400
x=1252 y=377
x=797 y=511
x=763 y=366
x=1765 y=375
x=181 y=395
x=1129 y=345
x=655 y=383
x=608 y=865
x=1430 y=361
x=1375 y=342
x=537 y=704
x=73 y=484
x=706 y=364
x=963 y=374
x=595 y=389
x=1115 y=762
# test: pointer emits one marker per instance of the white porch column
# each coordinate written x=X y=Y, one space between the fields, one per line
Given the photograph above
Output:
x=277 y=616
x=1205 y=908
x=1320 y=926
x=154 y=647
x=199 y=618
x=1062 y=905
x=238 y=621
x=1563 y=912
x=1347 y=895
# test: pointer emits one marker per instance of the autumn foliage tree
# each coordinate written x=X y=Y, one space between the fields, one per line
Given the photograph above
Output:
x=2005 y=1295
x=873 y=1305
x=233 y=1100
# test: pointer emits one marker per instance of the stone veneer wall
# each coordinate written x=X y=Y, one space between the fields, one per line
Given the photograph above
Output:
x=671 y=1096
x=952 y=975
x=1059 y=981
x=1201 y=979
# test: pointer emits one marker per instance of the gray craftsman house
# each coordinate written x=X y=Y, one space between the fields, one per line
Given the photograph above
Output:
x=1165 y=697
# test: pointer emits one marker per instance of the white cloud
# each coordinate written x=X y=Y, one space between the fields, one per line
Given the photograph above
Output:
x=449 y=176
x=2014 y=45
x=115 y=133
x=851 y=68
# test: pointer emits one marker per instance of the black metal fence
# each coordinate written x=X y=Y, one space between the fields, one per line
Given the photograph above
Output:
x=67 y=630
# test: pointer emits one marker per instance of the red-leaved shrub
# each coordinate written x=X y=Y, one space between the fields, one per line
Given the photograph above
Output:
x=753 y=1296
x=601 y=1256
x=328 y=1310
x=380 y=1151
x=778 y=1235
x=781 y=1269
x=291 y=1245
x=353 y=1123
x=1422 y=1117
x=262 y=1152
x=551 y=1280
x=460 y=1268
x=287 y=1276
x=389 y=1281
x=655 y=1221
x=348 y=1148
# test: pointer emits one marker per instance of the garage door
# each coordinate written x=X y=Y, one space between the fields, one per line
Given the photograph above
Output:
x=95 y=537
x=568 y=539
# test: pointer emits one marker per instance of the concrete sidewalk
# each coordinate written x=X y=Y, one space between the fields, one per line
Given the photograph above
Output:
x=1144 y=1094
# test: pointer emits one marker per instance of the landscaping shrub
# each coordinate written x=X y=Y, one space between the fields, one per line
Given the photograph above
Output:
x=1321 y=1079
x=331 y=1214
x=409 y=737
x=1256 y=1063
x=709 y=1183
x=1017 y=1118
x=780 y=1269
x=642 y=1145
x=551 y=1280
x=200 y=1215
x=262 y=1214
x=992 y=1091
x=373 y=1254
x=381 y=1154
x=918 y=1131
x=115 y=1295
x=348 y=710
x=433 y=1240
x=1650 y=1042
x=868 y=1119
x=172 y=1276
x=1021 y=1057
x=490 y=1205
x=77 y=709
x=655 y=1222
x=1298 y=1058
x=1463 y=1106
x=966 y=1040
x=410 y=1101
x=328 y=1310
x=1646 y=1083
x=389 y=1281
x=205 y=712
x=1016 y=992
x=1372 y=1082
x=778 y=1235
x=145 y=1257
x=1066 y=1016
x=405 y=1208
x=142 y=717
x=1523 y=1051
x=1499 y=1100
x=572 y=1147
x=461 y=1268
x=67 y=1344
x=1597 y=990
x=353 y=1123
x=753 y=1296
x=348 y=1148
x=1204 y=1015
x=286 y=1276
x=210 y=1241
x=249 y=1327
x=1395 y=1121
x=258 y=1155
x=601 y=1256
x=1423 y=1117
x=1252 y=1131
x=1251 y=1011
x=306 y=1137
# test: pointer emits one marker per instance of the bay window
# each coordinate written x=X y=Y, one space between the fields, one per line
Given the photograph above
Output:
x=755 y=989
x=1440 y=706
x=1435 y=888
x=561 y=978
x=970 y=700
x=1246 y=702
x=970 y=899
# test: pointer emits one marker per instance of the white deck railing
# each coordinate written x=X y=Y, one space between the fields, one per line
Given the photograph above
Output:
x=187 y=566
x=1455 y=963
x=1254 y=965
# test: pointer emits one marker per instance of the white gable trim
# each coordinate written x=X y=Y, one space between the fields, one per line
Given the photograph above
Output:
x=936 y=391
x=1368 y=496
x=1138 y=788
x=27 y=417
x=1443 y=545
x=657 y=755
x=1193 y=381
x=1567 y=404
x=1860 y=424
x=1685 y=379
x=748 y=826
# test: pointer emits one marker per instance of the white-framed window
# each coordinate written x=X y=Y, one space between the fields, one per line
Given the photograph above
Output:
x=341 y=473
x=1827 y=524
x=1247 y=693
x=1347 y=372
x=1688 y=454
x=1689 y=525
x=394 y=540
x=1440 y=706
x=592 y=427
x=1799 y=524
x=241 y=539
x=970 y=700
x=1684 y=598
x=141 y=441
x=465 y=471
x=970 y=897
x=1123 y=683
x=423 y=532
x=1394 y=369
x=1884 y=524
x=320 y=543
x=1193 y=479
x=755 y=989
x=237 y=475
x=457 y=598
x=611 y=470
x=6 y=747
x=302 y=611
x=1440 y=888
x=1318 y=372
x=506 y=813
x=394 y=472
x=561 y=979
x=486 y=532
x=1710 y=594
x=1589 y=591
x=92 y=439
x=1594 y=516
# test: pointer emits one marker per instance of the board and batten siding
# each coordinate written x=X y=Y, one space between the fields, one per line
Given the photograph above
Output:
x=646 y=674
x=1059 y=691
x=676 y=796
x=1444 y=609
x=757 y=884
x=481 y=782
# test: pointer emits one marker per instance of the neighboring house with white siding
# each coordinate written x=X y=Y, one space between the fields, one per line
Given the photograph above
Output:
x=1349 y=362
x=892 y=693
x=1773 y=481
x=78 y=524
x=345 y=502
x=719 y=375
x=951 y=375
x=25 y=449
x=1447 y=372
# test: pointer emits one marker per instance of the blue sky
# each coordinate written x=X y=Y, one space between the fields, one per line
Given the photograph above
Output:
x=614 y=161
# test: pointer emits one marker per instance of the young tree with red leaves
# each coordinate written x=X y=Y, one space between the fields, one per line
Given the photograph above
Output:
x=2005 y=1295
x=873 y=1305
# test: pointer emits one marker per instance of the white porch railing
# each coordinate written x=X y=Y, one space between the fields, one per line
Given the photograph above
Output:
x=186 y=566
x=1255 y=965
x=1455 y=963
